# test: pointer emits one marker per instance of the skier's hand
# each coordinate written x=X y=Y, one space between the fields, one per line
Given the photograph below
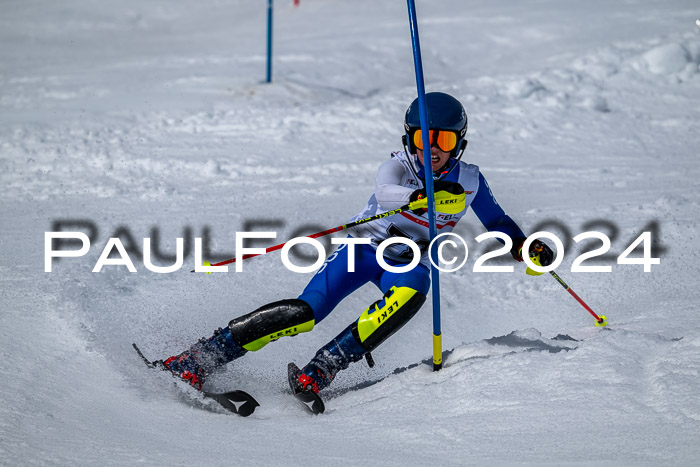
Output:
x=539 y=253
x=449 y=198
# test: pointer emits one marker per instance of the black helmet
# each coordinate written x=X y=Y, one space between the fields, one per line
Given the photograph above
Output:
x=444 y=113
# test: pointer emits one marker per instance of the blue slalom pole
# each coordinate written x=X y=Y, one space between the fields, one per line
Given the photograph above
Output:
x=268 y=75
x=423 y=112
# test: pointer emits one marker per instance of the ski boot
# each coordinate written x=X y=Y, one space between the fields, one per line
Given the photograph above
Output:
x=195 y=363
x=249 y=332
x=335 y=356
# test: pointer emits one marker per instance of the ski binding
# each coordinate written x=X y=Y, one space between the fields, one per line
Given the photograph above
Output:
x=308 y=398
x=239 y=402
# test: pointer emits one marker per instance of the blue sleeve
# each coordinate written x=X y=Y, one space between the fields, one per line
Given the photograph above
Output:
x=491 y=214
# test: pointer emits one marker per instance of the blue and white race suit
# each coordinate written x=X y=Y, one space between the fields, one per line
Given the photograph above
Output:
x=396 y=181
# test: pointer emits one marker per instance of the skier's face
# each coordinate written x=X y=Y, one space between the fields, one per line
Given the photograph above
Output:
x=438 y=157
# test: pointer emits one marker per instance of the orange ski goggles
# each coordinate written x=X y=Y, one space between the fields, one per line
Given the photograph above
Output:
x=446 y=140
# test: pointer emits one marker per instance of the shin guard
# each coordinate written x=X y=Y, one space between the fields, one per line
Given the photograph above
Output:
x=270 y=322
x=386 y=316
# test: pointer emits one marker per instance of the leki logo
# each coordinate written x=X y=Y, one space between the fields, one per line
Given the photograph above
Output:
x=286 y=332
x=386 y=314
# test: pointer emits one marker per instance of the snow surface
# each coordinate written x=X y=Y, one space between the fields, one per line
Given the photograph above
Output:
x=140 y=115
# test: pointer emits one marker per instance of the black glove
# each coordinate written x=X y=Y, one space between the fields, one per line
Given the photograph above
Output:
x=439 y=185
x=536 y=248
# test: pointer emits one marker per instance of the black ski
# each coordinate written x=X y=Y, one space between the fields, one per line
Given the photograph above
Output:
x=308 y=398
x=238 y=402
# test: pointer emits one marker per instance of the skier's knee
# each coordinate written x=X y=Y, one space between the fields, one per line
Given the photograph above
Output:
x=388 y=315
x=272 y=321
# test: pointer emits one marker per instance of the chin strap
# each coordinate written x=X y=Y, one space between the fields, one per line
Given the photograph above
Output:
x=454 y=159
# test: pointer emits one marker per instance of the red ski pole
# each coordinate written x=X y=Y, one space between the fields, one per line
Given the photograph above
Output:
x=443 y=203
x=320 y=234
x=600 y=321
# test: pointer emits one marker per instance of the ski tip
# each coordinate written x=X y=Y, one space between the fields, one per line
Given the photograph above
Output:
x=149 y=363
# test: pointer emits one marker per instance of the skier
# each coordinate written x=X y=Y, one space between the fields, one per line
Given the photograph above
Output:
x=400 y=180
